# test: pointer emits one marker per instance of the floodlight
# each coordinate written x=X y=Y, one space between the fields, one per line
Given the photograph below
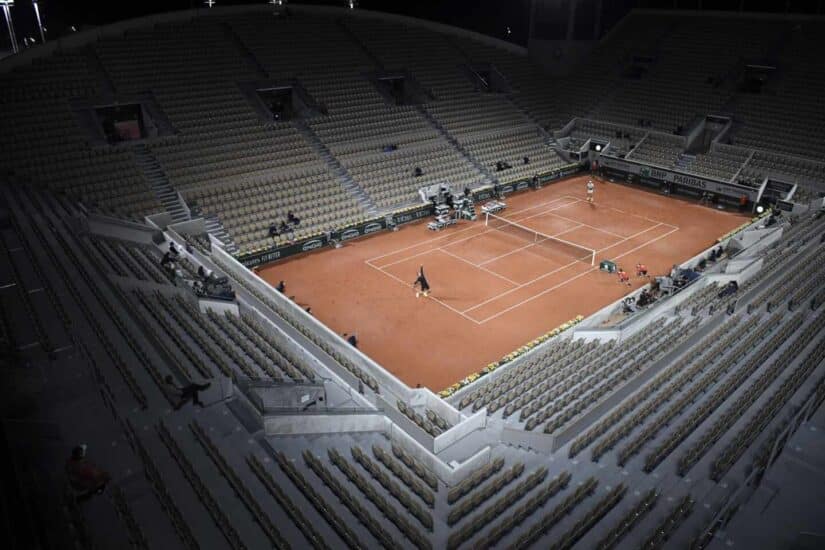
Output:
x=9 y=23
x=39 y=22
x=598 y=147
x=760 y=209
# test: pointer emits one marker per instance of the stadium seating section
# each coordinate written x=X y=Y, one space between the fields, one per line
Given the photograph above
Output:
x=584 y=441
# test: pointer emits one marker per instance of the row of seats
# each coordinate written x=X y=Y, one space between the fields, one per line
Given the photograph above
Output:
x=759 y=422
x=537 y=530
x=221 y=144
x=807 y=173
x=130 y=261
x=622 y=138
x=692 y=72
x=45 y=146
x=389 y=178
x=591 y=518
x=616 y=416
x=623 y=370
x=627 y=522
x=474 y=479
x=358 y=122
x=346 y=498
x=513 y=145
x=729 y=356
x=735 y=410
x=478 y=498
x=669 y=524
x=196 y=326
x=525 y=510
x=239 y=487
x=160 y=488
x=807 y=266
x=722 y=162
x=199 y=487
x=700 y=299
x=495 y=509
x=21 y=290
x=408 y=529
x=560 y=377
x=416 y=466
x=326 y=511
x=267 y=362
x=190 y=354
x=658 y=149
x=377 y=473
x=122 y=324
x=295 y=514
x=787 y=116
x=423 y=422
x=293 y=319
x=402 y=473
x=724 y=389
x=275 y=346
x=526 y=372
x=564 y=391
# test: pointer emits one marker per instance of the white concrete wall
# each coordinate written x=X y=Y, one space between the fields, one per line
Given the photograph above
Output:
x=475 y=422
x=105 y=226
x=293 y=424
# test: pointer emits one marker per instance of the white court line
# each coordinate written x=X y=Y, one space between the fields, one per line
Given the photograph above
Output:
x=542 y=293
x=466 y=229
x=491 y=272
x=594 y=228
x=451 y=308
x=519 y=249
x=497 y=296
x=518 y=286
x=450 y=243
x=646 y=218
x=540 y=277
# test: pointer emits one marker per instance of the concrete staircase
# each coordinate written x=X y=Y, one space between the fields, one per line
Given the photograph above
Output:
x=489 y=178
x=548 y=137
x=107 y=87
x=355 y=38
x=245 y=52
x=215 y=228
x=346 y=181
x=166 y=194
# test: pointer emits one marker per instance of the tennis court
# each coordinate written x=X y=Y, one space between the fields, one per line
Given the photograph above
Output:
x=523 y=254
x=496 y=283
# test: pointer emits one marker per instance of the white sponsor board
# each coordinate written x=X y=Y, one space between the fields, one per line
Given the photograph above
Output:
x=686 y=180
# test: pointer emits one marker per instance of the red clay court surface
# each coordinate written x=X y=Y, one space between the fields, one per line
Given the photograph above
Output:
x=493 y=291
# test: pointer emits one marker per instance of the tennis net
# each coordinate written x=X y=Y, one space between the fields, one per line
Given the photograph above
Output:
x=557 y=246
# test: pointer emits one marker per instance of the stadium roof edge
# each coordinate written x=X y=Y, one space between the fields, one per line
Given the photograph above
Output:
x=87 y=37
x=766 y=16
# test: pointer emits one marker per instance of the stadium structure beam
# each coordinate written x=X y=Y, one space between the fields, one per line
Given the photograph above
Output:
x=39 y=22
x=9 y=23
